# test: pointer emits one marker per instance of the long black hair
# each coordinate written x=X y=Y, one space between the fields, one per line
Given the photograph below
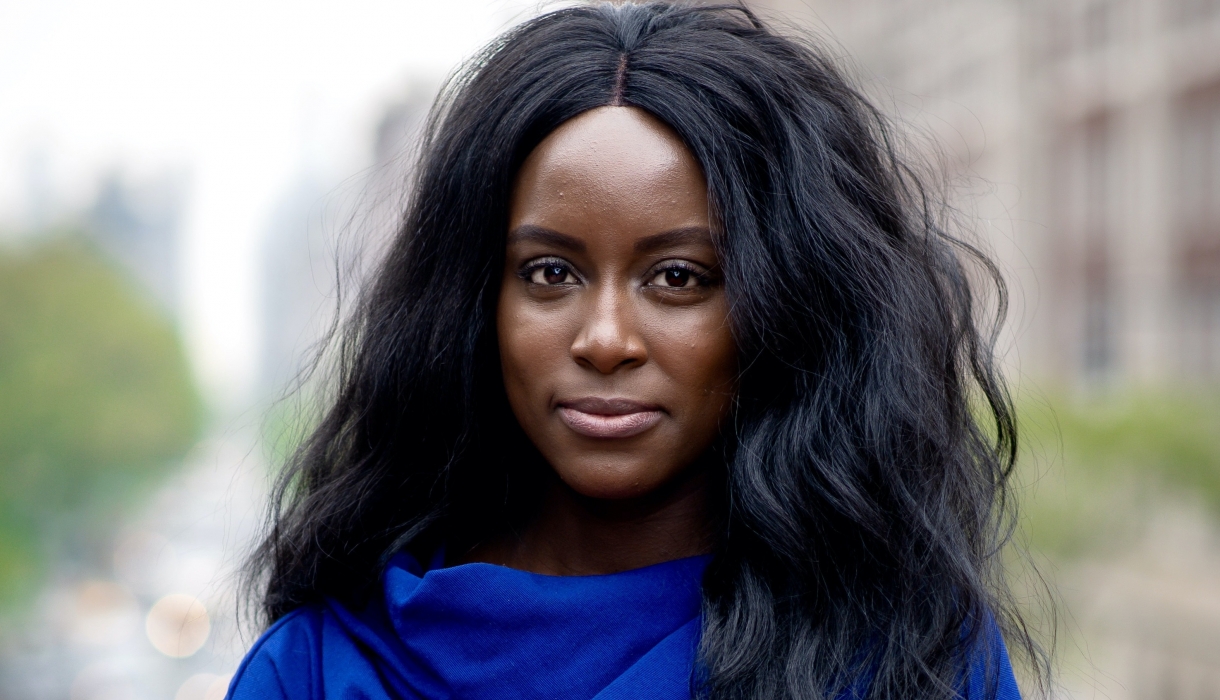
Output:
x=867 y=457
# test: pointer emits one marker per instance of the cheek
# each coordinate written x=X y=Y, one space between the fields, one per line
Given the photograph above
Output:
x=699 y=355
x=530 y=346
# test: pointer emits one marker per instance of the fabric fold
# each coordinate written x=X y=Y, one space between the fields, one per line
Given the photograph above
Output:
x=480 y=631
x=484 y=632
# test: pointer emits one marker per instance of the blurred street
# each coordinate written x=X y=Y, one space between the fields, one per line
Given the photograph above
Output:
x=114 y=636
x=180 y=186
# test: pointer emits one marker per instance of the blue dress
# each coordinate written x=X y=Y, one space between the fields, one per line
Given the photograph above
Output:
x=484 y=632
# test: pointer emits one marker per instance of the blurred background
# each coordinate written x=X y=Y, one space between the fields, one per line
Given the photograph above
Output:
x=182 y=183
x=1082 y=142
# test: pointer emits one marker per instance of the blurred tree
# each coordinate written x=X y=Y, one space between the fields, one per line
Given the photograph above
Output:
x=1097 y=468
x=96 y=401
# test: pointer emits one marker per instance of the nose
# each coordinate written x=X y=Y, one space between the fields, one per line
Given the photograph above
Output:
x=609 y=339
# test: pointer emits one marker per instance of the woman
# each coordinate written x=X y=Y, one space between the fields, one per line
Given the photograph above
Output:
x=671 y=385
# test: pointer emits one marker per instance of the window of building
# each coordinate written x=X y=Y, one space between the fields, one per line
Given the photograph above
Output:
x=1098 y=22
x=1185 y=11
x=1085 y=162
x=1082 y=26
x=1198 y=239
x=1097 y=144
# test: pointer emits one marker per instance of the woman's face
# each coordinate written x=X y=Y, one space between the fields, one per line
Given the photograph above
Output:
x=613 y=324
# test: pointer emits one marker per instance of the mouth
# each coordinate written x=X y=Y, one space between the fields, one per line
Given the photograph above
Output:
x=609 y=418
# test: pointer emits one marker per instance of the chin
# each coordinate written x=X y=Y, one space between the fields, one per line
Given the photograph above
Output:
x=612 y=481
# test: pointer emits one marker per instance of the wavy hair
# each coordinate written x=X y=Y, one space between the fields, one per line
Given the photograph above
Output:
x=866 y=462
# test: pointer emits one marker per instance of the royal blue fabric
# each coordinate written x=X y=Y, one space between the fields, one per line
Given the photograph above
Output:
x=484 y=632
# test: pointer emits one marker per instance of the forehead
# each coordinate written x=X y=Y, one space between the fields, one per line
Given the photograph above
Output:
x=611 y=166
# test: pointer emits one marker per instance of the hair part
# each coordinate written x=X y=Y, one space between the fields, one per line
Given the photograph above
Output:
x=867 y=461
x=620 y=81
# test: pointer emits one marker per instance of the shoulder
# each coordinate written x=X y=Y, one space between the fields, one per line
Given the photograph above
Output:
x=990 y=674
x=284 y=662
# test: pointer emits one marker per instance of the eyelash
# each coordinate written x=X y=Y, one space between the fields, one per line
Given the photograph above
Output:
x=702 y=277
x=527 y=272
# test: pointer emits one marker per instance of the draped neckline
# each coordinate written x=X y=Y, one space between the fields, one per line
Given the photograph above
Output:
x=488 y=631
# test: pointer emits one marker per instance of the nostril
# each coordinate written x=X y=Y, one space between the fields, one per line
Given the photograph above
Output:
x=609 y=341
x=609 y=357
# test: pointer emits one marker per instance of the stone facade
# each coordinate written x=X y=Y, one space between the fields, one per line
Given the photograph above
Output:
x=1084 y=137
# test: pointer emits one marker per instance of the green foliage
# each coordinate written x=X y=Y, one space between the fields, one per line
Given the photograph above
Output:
x=1093 y=469
x=96 y=400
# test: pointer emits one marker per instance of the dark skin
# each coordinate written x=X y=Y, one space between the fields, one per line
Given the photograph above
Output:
x=615 y=345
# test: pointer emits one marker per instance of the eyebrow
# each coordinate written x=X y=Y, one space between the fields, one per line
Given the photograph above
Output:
x=542 y=234
x=648 y=244
x=673 y=237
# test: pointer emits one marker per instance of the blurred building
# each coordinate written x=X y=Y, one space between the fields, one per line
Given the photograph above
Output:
x=1084 y=137
x=1090 y=130
x=324 y=235
x=138 y=224
x=298 y=283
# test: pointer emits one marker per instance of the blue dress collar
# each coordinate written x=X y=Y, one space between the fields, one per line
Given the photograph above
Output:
x=486 y=631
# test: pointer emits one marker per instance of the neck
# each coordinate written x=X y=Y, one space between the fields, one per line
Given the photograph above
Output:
x=574 y=535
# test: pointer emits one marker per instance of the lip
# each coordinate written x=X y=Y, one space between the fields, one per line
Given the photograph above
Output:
x=597 y=417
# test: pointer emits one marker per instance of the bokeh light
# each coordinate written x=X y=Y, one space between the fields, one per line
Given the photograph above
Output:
x=178 y=625
x=104 y=614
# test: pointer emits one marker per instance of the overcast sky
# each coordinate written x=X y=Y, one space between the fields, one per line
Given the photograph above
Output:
x=235 y=94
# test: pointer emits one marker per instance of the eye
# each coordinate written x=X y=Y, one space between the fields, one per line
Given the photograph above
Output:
x=678 y=276
x=550 y=272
